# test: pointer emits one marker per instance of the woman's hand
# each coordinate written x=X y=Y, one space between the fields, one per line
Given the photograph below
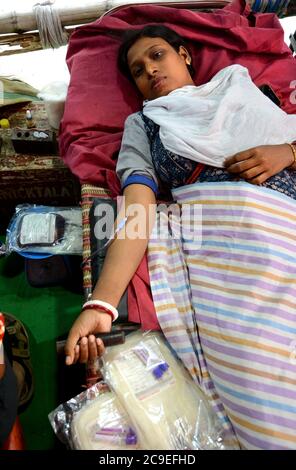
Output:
x=258 y=164
x=89 y=321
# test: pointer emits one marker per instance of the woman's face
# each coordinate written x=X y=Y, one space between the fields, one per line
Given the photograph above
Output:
x=157 y=68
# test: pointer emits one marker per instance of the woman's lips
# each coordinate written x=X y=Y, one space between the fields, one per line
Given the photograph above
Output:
x=157 y=82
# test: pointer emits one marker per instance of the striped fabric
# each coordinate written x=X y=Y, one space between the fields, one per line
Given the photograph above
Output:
x=228 y=306
x=88 y=194
x=279 y=7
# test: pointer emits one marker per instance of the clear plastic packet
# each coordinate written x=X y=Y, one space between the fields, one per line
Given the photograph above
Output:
x=94 y=420
x=167 y=409
x=44 y=229
x=54 y=96
x=3 y=250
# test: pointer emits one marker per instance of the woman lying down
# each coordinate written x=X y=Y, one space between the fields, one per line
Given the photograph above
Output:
x=225 y=299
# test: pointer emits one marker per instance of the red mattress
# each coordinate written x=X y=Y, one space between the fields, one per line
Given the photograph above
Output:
x=99 y=98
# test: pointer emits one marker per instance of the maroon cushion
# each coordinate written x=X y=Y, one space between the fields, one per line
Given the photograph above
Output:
x=99 y=98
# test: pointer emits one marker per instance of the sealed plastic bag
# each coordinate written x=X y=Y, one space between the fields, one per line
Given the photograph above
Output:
x=2 y=249
x=43 y=229
x=167 y=409
x=94 y=420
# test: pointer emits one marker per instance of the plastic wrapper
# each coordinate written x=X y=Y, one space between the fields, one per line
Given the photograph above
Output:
x=3 y=250
x=167 y=409
x=54 y=96
x=94 y=420
x=43 y=229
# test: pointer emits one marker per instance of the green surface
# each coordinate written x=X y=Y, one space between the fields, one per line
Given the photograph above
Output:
x=46 y=313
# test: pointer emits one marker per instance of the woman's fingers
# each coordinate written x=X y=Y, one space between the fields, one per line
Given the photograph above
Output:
x=238 y=158
x=259 y=179
x=251 y=173
x=89 y=349
x=241 y=165
x=100 y=347
x=83 y=350
x=76 y=353
x=250 y=165
x=92 y=348
x=256 y=175
x=70 y=346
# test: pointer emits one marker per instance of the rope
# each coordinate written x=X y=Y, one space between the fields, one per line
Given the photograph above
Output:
x=51 y=31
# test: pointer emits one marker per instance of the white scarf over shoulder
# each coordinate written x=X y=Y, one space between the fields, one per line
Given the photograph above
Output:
x=227 y=115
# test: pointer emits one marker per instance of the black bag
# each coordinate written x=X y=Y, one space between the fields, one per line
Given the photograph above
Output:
x=98 y=215
x=46 y=272
x=56 y=270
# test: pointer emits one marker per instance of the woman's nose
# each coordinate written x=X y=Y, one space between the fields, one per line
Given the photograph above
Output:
x=151 y=68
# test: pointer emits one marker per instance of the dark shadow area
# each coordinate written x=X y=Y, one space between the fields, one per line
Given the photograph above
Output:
x=71 y=379
x=13 y=265
x=64 y=271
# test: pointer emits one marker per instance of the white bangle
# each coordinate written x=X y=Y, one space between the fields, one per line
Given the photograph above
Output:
x=104 y=305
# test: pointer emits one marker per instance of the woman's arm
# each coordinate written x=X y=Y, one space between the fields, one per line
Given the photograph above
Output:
x=258 y=164
x=122 y=259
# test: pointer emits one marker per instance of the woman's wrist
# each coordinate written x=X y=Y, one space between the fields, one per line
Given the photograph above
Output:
x=102 y=307
x=293 y=155
x=102 y=318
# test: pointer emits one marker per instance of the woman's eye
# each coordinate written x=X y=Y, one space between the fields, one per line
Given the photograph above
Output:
x=157 y=54
x=137 y=73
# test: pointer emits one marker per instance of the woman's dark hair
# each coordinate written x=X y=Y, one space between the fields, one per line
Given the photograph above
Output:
x=150 y=31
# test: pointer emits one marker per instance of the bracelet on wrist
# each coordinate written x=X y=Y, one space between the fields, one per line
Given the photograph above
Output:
x=99 y=310
x=293 y=148
x=102 y=306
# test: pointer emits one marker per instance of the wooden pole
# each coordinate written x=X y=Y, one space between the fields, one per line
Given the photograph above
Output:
x=19 y=33
x=24 y=19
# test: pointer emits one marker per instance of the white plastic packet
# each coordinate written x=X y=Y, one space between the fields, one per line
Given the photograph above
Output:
x=167 y=410
x=54 y=97
x=44 y=229
x=94 y=420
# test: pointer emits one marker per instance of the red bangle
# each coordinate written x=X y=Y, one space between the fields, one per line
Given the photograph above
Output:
x=99 y=308
x=2 y=327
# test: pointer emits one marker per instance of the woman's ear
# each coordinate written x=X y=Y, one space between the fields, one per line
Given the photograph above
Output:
x=185 y=55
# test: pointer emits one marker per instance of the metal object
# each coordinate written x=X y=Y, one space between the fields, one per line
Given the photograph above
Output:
x=34 y=141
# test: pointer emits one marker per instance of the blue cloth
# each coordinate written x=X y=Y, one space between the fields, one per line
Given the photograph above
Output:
x=141 y=179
